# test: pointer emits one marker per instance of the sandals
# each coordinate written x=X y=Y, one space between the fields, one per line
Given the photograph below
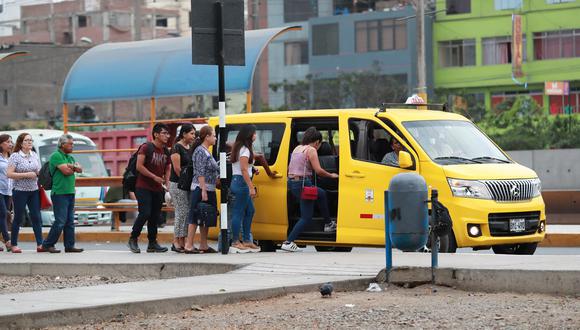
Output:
x=192 y=251
x=208 y=250
x=16 y=249
x=177 y=249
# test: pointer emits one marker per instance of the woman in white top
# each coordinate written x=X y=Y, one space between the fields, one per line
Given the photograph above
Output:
x=5 y=187
x=23 y=168
x=242 y=158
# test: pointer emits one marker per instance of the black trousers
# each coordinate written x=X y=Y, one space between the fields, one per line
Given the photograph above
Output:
x=149 y=204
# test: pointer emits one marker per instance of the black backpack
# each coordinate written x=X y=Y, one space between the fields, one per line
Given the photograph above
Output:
x=130 y=174
x=45 y=176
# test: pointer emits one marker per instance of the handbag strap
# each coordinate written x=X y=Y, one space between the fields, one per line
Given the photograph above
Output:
x=305 y=162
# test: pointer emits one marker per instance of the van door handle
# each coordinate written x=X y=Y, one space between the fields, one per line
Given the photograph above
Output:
x=355 y=175
x=277 y=176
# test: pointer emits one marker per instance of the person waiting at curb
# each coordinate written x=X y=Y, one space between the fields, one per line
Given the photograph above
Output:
x=153 y=167
x=23 y=169
x=203 y=189
x=5 y=188
x=303 y=161
x=180 y=158
x=244 y=191
x=63 y=168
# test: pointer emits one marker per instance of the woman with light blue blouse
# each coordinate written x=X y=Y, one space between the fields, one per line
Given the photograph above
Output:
x=23 y=168
x=5 y=188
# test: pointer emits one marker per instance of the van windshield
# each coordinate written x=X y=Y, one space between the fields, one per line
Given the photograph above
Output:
x=92 y=163
x=454 y=142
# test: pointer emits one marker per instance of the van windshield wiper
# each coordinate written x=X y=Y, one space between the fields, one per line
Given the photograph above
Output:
x=457 y=158
x=491 y=158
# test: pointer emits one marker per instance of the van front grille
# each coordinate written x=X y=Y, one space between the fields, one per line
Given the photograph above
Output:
x=510 y=190
x=499 y=223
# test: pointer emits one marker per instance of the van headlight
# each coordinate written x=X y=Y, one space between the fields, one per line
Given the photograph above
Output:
x=536 y=187
x=468 y=188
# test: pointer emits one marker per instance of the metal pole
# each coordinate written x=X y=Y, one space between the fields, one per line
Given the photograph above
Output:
x=257 y=85
x=249 y=102
x=421 y=66
x=434 y=245
x=388 y=245
x=137 y=19
x=222 y=132
x=65 y=117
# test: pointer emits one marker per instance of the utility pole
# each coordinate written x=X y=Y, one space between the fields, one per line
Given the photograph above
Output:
x=421 y=69
x=51 y=23
x=257 y=81
x=137 y=19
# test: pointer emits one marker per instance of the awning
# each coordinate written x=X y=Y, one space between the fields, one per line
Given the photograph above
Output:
x=157 y=68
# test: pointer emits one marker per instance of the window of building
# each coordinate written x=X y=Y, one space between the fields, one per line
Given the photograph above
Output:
x=325 y=39
x=380 y=35
x=161 y=21
x=458 y=7
x=296 y=52
x=1 y=6
x=499 y=98
x=565 y=104
x=5 y=97
x=300 y=10
x=556 y=44
x=507 y=4
x=498 y=50
x=82 y=21
x=551 y=2
x=457 y=53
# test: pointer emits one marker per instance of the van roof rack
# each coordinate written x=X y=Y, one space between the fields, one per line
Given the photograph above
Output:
x=431 y=106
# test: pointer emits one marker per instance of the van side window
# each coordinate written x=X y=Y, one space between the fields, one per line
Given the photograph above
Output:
x=370 y=142
x=268 y=139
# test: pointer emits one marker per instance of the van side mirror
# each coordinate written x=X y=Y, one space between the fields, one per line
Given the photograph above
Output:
x=405 y=160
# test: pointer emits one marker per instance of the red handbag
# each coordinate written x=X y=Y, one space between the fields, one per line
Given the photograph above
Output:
x=45 y=202
x=309 y=193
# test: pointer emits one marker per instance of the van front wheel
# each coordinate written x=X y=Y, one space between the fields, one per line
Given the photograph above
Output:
x=320 y=248
x=522 y=248
x=447 y=243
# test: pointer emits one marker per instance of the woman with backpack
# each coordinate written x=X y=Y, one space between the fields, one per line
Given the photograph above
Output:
x=244 y=191
x=5 y=188
x=23 y=169
x=180 y=160
x=203 y=208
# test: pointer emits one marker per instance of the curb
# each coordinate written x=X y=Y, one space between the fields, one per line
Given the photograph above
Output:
x=561 y=240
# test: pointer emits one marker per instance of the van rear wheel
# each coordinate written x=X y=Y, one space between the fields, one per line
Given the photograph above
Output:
x=522 y=248
x=321 y=248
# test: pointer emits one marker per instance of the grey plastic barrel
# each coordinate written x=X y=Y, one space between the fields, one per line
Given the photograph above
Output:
x=408 y=211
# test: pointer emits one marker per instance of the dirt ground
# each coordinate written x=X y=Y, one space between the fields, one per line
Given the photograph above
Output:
x=425 y=307
x=18 y=284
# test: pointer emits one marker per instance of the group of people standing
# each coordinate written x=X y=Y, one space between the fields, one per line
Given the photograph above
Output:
x=196 y=204
x=19 y=170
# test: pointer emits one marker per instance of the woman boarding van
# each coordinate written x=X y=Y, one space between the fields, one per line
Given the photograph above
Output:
x=45 y=143
x=493 y=201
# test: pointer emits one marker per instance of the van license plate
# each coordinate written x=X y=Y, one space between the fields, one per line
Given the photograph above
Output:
x=517 y=225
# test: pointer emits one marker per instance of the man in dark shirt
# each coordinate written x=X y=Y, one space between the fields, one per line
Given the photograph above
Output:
x=153 y=166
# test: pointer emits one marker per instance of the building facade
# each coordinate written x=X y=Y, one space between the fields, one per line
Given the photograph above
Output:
x=342 y=37
x=472 y=46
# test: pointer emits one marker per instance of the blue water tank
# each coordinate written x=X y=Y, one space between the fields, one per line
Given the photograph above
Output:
x=408 y=211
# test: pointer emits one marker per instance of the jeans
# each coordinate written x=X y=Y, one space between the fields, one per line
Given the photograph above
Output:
x=149 y=204
x=243 y=211
x=63 y=207
x=21 y=199
x=306 y=207
x=4 y=202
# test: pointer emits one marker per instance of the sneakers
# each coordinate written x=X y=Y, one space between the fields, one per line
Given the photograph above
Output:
x=133 y=245
x=330 y=227
x=73 y=250
x=154 y=247
x=290 y=247
x=238 y=248
x=252 y=247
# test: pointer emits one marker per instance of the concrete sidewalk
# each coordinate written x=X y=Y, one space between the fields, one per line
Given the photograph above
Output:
x=557 y=235
x=231 y=278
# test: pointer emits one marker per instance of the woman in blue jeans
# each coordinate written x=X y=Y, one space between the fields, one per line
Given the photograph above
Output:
x=5 y=187
x=244 y=191
x=303 y=161
x=23 y=168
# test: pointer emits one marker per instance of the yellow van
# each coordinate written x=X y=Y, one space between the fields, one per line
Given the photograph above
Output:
x=493 y=201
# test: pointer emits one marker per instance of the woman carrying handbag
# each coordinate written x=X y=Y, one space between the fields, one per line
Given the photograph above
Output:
x=5 y=188
x=303 y=161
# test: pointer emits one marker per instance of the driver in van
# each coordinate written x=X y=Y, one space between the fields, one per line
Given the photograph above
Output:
x=392 y=158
